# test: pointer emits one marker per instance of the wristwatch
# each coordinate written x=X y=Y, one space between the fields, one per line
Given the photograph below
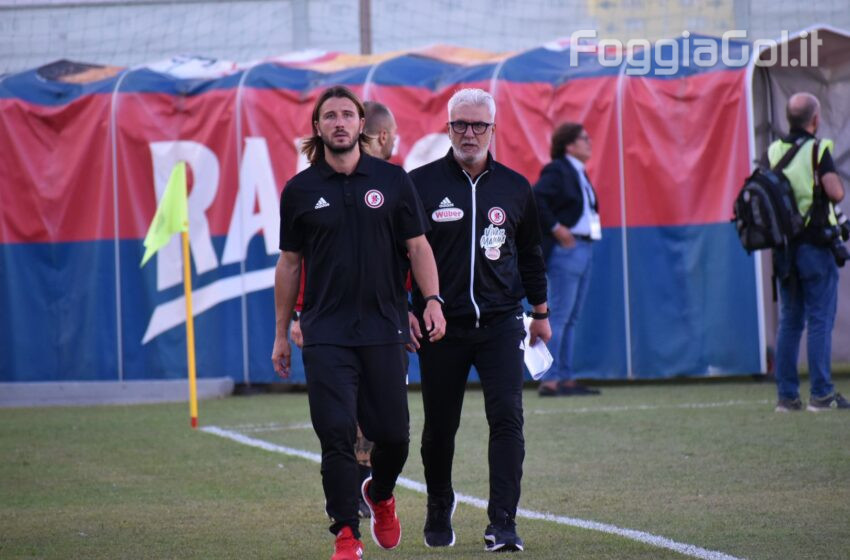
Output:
x=538 y=315
x=436 y=298
x=296 y=315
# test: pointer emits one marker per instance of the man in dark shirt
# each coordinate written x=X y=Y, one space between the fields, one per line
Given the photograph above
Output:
x=569 y=214
x=354 y=220
x=380 y=131
x=486 y=241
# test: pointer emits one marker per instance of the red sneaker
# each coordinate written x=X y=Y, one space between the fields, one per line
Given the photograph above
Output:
x=386 y=529
x=347 y=547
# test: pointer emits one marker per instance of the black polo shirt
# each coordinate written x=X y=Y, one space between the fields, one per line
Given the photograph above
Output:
x=351 y=231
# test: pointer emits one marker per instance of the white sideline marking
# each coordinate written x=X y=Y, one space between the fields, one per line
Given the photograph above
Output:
x=270 y=427
x=276 y=427
x=253 y=442
x=629 y=408
x=647 y=538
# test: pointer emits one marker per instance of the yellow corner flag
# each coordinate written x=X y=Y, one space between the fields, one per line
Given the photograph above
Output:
x=172 y=213
x=172 y=216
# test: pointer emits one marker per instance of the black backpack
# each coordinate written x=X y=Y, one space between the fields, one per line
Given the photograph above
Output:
x=766 y=214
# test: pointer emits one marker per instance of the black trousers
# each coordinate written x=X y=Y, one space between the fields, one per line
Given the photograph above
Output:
x=347 y=386
x=494 y=351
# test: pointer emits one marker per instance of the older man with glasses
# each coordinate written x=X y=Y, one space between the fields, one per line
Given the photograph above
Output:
x=486 y=240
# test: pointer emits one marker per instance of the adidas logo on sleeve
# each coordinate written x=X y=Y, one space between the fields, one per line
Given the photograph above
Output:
x=322 y=203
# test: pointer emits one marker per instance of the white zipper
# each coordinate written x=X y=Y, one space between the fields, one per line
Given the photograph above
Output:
x=473 y=184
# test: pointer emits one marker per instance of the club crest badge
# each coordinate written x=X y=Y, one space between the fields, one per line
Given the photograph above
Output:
x=374 y=198
x=496 y=216
x=491 y=241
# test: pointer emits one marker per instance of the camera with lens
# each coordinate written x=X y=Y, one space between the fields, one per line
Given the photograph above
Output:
x=843 y=223
x=838 y=235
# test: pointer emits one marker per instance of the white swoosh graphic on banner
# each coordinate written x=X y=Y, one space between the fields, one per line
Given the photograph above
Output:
x=172 y=313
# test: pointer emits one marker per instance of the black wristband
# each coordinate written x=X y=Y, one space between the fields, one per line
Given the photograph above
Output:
x=537 y=315
x=436 y=298
x=295 y=316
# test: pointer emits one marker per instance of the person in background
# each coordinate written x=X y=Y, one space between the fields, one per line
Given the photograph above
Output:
x=569 y=217
x=808 y=273
x=381 y=130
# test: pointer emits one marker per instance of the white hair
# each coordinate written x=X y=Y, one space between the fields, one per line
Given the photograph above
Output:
x=473 y=96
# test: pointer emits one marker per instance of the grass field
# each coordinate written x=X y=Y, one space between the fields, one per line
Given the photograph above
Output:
x=710 y=465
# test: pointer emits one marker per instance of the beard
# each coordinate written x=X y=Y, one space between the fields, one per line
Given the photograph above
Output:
x=467 y=157
x=340 y=149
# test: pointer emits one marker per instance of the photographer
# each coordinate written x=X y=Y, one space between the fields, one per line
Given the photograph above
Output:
x=808 y=270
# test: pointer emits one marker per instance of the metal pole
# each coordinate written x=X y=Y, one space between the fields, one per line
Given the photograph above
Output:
x=365 y=27
x=300 y=25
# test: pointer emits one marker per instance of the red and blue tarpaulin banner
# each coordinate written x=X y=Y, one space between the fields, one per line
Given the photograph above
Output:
x=86 y=151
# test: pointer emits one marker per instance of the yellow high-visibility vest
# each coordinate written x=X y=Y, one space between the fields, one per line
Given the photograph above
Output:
x=800 y=173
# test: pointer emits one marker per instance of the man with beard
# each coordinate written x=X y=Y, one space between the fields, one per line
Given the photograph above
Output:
x=486 y=240
x=353 y=219
x=380 y=131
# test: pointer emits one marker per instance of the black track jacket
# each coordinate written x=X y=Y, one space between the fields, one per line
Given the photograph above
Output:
x=485 y=235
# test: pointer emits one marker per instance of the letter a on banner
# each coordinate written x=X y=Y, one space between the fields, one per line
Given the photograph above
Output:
x=172 y=216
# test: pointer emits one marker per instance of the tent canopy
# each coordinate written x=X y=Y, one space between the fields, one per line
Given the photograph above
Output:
x=829 y=80
x=86 y=152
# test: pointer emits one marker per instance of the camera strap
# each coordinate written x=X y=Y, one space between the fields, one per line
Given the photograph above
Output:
x=818 y=213
x=817 y=187
x=784 y=264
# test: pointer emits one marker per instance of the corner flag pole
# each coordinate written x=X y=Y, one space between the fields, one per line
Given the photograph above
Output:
x=190 y=332
x=172 y=216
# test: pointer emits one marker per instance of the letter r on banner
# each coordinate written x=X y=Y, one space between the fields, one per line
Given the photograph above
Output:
x=205 y=169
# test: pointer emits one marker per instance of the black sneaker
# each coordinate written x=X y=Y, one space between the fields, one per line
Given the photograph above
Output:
x=835 y=400
x=363 y=510
x=577 y=391
x=547 y=391
x=789 y=405
x=438 y=522
x=502 y=537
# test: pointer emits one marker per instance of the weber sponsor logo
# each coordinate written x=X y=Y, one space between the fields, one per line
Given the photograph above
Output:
x=447 y=215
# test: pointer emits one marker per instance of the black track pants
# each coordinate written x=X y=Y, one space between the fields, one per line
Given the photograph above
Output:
x=494 y=351
x=347 y=386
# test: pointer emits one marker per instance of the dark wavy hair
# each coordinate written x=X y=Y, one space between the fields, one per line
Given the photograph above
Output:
x=313 y=147
x=564 y=135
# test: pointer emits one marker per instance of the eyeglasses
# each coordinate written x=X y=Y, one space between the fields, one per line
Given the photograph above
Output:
x=478 y=128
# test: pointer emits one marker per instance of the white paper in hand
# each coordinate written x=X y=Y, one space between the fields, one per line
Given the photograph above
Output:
x=538 y=360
